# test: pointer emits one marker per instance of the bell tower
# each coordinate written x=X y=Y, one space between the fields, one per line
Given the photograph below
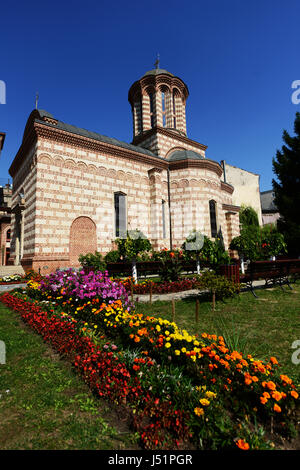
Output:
x=158 y=102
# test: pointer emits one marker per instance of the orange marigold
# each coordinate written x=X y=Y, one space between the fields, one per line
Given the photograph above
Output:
x=286 y=379
x=263 y=400
x=271 y=385
x=242 y=444
x=276 y=395
x=277 y=408
x=294 y=394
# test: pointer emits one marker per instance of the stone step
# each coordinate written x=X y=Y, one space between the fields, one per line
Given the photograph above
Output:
x=10 y=270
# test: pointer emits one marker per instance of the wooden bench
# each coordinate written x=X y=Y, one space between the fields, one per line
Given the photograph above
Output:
x=272 y=272
x=144 y=268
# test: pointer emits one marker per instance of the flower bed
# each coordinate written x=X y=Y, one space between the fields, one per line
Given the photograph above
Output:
x=13 y=279
x=212 y=396
x=107 y=375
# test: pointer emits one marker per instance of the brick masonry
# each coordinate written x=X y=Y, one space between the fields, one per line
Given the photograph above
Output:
x=69 y=183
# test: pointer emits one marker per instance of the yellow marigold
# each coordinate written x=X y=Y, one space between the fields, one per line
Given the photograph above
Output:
x=204 y=402
x=209 y=394
x=177 y=352
x=199 y=411
x=167 y=345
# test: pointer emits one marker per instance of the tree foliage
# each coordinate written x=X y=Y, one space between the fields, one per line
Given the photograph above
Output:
x=286 y=167
x=248 y=216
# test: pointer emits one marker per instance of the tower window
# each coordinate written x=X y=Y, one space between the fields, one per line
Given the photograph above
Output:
x=174 y=111
x=120 y=215
x=163 y=101
x=213 y=218
x=151 y=109
x=163 y=107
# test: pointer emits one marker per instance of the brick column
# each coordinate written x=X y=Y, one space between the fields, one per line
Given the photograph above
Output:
x=155 y=204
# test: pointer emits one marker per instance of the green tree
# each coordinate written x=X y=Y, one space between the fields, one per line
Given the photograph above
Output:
x=286 y=167
x=248 y=216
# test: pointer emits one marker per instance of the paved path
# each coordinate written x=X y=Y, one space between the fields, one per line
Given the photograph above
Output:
x=183 y=294
x=146 y=297
x=7 y=287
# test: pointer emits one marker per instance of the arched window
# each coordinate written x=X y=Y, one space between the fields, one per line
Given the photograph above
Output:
x=213 y=218
x=163 y=215
x=120 y=215
x=138 y=114
x=163 y=107
x=174 y=110
x=151 y=99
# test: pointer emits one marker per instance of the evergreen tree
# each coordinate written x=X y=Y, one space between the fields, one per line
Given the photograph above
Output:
x=286 y=167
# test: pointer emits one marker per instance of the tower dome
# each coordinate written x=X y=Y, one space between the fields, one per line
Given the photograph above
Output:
x=158 y=100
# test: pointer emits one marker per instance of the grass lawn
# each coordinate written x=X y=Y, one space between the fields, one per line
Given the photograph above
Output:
x=44 y=405
x=263 y=327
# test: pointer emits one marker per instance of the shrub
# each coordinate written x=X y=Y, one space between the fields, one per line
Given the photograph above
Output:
x=134 y=244
x=171 y=264
x=112 y=256
x=258 y=243
x=219 y=284
x=93 y=260
x=210 y=253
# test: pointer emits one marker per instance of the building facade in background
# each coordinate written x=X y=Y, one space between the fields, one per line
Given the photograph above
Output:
x=270 y=213
x=246 y=188
x=76 y=191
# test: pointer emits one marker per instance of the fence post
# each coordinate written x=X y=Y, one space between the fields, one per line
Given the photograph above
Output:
x=242 y=264
x=173 y=310
x=134 y=271
x=214 y=299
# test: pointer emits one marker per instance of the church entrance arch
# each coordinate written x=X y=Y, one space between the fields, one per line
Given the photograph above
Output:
x=83 y=238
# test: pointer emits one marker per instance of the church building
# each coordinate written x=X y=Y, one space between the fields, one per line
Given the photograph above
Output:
x=76 y=191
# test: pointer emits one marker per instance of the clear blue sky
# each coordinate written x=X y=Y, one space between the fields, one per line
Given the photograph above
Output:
x=237 y=57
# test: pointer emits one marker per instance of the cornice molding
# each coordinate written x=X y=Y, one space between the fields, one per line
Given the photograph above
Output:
x=203 y=164
x=168 y=133
x=45 y=131
x=156 y=81
x=231 y=208
x=227 y=187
